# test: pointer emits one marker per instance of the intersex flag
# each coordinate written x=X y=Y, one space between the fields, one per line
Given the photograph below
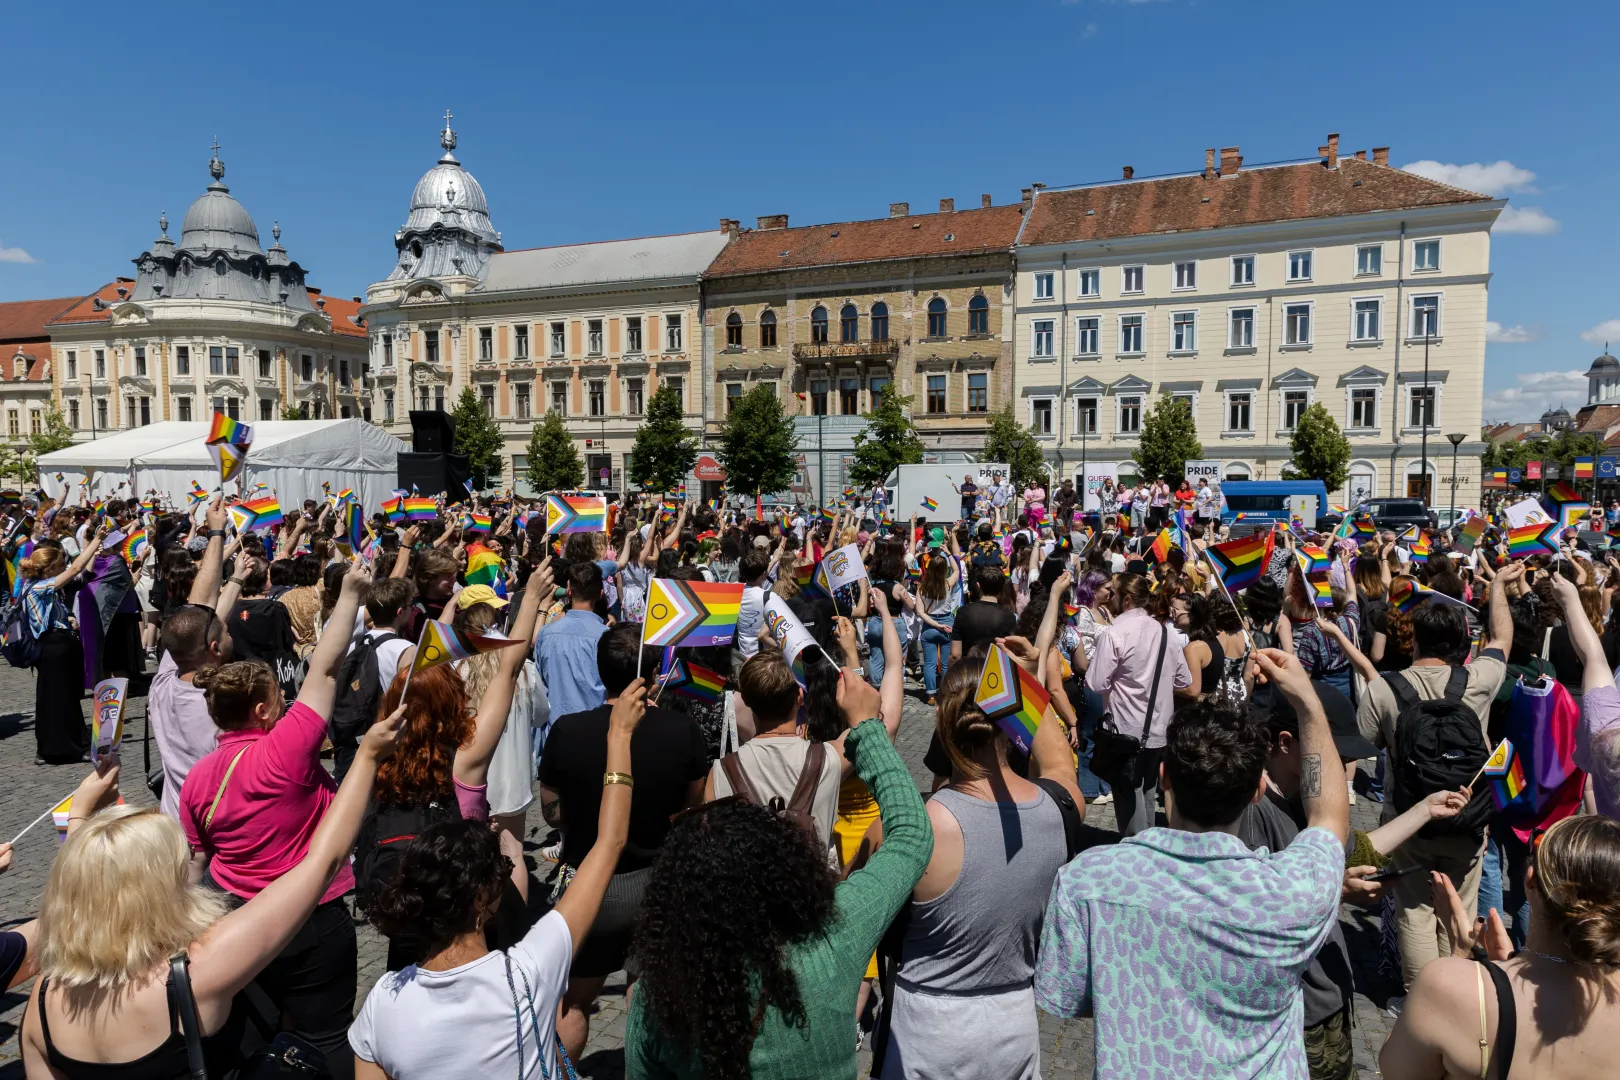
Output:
x=228 y=458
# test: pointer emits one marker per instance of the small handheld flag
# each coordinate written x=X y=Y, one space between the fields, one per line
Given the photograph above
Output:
x=226 y=430
x=1533 y=539
x=484 y=568
x=1011 y=697
x=691 y=681
x=691 y=613
x=929 y=504
x=1239 y=563
x=479 y=523
x=575 y=514
x=228 y=458
x=420 y=509
x=441 y=643
x=256 y=514
x=1472 y=531
x=1160 y=551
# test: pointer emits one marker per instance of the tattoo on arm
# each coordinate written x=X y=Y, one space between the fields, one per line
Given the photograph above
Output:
x=1310 y=777
x=552 y=812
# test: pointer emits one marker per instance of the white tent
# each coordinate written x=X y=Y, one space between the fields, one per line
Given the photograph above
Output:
x=291 y=457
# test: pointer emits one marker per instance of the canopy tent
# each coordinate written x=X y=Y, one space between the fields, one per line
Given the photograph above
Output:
x=291 y=457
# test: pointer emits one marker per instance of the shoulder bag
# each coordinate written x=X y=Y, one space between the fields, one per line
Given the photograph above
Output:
x=1115 y=752
x=286 y=1057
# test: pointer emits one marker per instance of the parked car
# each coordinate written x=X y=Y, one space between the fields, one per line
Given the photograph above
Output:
x=1448 y=518
x=1398 y=514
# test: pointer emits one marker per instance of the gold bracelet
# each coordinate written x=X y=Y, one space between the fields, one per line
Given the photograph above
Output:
x=618 y=778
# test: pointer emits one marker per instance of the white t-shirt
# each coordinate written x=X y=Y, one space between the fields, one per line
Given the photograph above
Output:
x=388 y=654
x=459 y=1024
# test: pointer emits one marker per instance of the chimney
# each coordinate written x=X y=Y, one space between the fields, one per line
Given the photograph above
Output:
x=1028 y=195
x=899 y=209
x=1231 y=161
x=1361 y=155
x=730 y=226
x=1209 y=163
x=1331 y=151
x=771 y=221
x=984 y=202
x=947 y=206
x=122 y=292
x=1038 y=186
x=1380 y=155
x=1130 y=171
x=356 y=299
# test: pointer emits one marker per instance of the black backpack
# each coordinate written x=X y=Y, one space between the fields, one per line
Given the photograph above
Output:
x=384 y=832
x=18 y=644
x=354 y=706
x=1439 y=746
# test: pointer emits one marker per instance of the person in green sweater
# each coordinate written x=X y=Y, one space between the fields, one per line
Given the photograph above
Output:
x=751 y=953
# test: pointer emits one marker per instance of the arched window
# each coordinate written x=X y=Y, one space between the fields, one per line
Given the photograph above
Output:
x=979 y=315
x=767 y=330
x=849 y=324
x=936 y=317
x=880 y=321
x=818 y=325
x=734 y=331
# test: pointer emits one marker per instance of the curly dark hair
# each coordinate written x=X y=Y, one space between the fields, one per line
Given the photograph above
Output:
x=449 y=873
x=733 y=888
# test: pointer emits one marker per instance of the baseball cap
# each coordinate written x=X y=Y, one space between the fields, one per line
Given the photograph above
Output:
x=936 y=538
x=478 y=594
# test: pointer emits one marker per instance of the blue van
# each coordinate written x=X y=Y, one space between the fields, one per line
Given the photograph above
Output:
x=1267 y=502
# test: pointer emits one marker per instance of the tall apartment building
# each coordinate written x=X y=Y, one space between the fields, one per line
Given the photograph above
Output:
x=1252 y=292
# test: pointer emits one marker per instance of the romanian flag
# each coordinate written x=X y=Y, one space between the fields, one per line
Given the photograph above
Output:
x=395 y=510
x=441 y=643
x=226 y=430
x=1160 y=551
x=479 y=523
x=691 y=613
x=420 y=509
x=484 y=568
x=1011 y=697
x=1239 y=563
x=1471 y=532
x=134 y=547
x=1506 y=773
x=256 y=514
x=575 y=514
x=1583 y=468
x=1535 y=539
x=929 y=504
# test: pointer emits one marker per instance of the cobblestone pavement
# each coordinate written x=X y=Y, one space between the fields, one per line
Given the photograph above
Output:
x=26 y=789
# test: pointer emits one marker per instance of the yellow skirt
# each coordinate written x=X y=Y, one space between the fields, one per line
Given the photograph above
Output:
x=857 y=809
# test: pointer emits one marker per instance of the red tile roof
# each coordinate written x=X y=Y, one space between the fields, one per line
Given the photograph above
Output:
x=1249 y=196
x=84 y=309
x=961 y=232
x=24 y=320
x=1596 y=419
x=343 y=314
x=34 y=357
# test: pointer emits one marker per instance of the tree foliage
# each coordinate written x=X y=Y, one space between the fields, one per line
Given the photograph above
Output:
x=665 y=448
x=1168 y=440
x=757 y=444
x=1321 y=452
x=289 y=411
x=478 y=437
x=554 y=463
x=1011 y=443
x=22 y=459
x=1561 y=449
x=889 y=440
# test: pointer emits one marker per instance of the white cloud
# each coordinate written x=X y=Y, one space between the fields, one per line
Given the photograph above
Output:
x=1530 y=220
x=1606 y=331
x=15 y=255
x=1494 y=178
x=1090 y=31
x=1497 y=334
x=1536 y=393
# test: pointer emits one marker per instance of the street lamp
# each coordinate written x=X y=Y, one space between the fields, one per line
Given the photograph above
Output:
x=1456 y=441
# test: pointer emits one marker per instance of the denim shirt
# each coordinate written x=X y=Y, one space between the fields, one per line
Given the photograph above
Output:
x=565 y=653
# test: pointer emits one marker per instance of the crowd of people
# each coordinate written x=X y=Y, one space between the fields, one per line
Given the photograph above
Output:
x=755 y=855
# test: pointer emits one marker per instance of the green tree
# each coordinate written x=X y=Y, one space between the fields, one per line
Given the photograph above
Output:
x=757 y=444
x=22 y=459
x=554 y=462
x=478 y=437
x=290 y=411
x=888 y=441
x=1016 y=446
x=1321 y=452
x=665 y=448
x=1168 y=440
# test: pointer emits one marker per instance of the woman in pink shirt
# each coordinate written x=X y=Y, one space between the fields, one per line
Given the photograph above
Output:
x=252 y=806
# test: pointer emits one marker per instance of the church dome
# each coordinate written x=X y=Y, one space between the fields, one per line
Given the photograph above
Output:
x=450 y=196
x=216 y=221
x=1604 y=363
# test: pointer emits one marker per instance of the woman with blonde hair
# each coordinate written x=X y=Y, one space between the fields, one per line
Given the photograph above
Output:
x=60 y=733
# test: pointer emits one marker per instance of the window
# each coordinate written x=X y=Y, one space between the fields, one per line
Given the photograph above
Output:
x=979 y=315
x=1085 y=336
x=1297 y=324
x=146 y=415
x=1421 y=405
x=430 y=339
x=34 y=420
x=1041 y=338
x=101 y=412
x=936 y=394
x=13 y=422
x=388 y=406
x=1130 y=334
x=633 y=396
x=734 y=393
x=849 y=396
x=936 y=317
x=73 y=413
x=233 y=361
x=345 y=412
x=486 y=343
x=388 y=351
x=818 y=325
x=438 y=399
x=672 y=333
x=1364 y=407
x=343 y=371
x=129 y=415
x=559 y=398
x=978 y=392
x=1243 y=270
x=876 y=387
x=140 y=360
x=1370 y=259
x=1299 y=266
x=1043 y=291
x=597 y=397
x=1189 y=399
x=73 y=364
x=818 y=397
x=880 y=321
x=849 y=324
x=677 y=384
x=265 y=369
x=1241 y=333
x=1040 y=415
x=182 y=408
x=1295 y=402
x=267 y=409
x=486 y=398
x=233 y=408
x=1425 y=255
x=1186 y=275
x=522 y=395
x=1090 y=282
x=1239 y=411
x=1425 y=316
x=306 y=368
x=423 y=398
x=559 y=338
x=520 y=341
x=101 y=363
x=1085 y=416
x=365 y=408
x=734 y=331
x=1130 y=279
x=1130 y=414
x=1184 y=331
x=1368 y=322
x=216 y=360
x=767 y=330
x=593 y=337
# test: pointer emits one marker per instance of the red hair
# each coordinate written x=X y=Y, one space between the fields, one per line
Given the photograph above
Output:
x=437 y=722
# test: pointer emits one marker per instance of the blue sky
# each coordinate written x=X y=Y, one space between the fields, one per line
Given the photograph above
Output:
x=596 y=121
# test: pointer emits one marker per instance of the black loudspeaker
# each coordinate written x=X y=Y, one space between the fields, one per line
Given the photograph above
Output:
x=435 y=474
x=432 y=431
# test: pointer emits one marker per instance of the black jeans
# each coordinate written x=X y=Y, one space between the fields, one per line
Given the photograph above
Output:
x=312 y=983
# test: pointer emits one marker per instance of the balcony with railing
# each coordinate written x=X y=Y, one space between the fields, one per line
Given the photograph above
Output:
x=812 y=352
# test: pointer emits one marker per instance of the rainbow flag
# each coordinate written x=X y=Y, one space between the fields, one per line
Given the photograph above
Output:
x=1535 y=539
x=691 y=681
x=197 y=494
x=420 y=509
x=1363 y=528
x=1419 y=550
x=1239 y=563
x=441 y=643
x=256 y=514
x=827 y=514
x=1335 y=508
x=1011 y=697
x=484 y=568
x=226 y=430
x=134 y=546
x=1160 y=551
x=575 y=514
x=1406 y=594
x=352 y=536
x=1506 y=774
x=1070 y=612
x=25 y=548
x=1312 y=559
x=395 y=510
x=1472 y=531
x=148 y=506
x=1561 y=492
x=1583 y=468
x=479 y=523
x=691 y=613
x=929 y=504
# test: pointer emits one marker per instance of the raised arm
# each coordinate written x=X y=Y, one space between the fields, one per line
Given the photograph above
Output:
x=1321 y=784
x=892 y=692
x=1358 y=659
x=90 y=550
x=1588 y=646
x=402 y=561
x=210 y=572
x=472 y=760
x=1499 y=620
x=320 y=684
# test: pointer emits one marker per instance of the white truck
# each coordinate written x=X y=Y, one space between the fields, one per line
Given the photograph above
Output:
x=913 y=485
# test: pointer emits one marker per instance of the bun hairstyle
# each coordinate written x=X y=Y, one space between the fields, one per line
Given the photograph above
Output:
x=233 y=689
x=963 y=728
x=1578 y=875
x=45 y=561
